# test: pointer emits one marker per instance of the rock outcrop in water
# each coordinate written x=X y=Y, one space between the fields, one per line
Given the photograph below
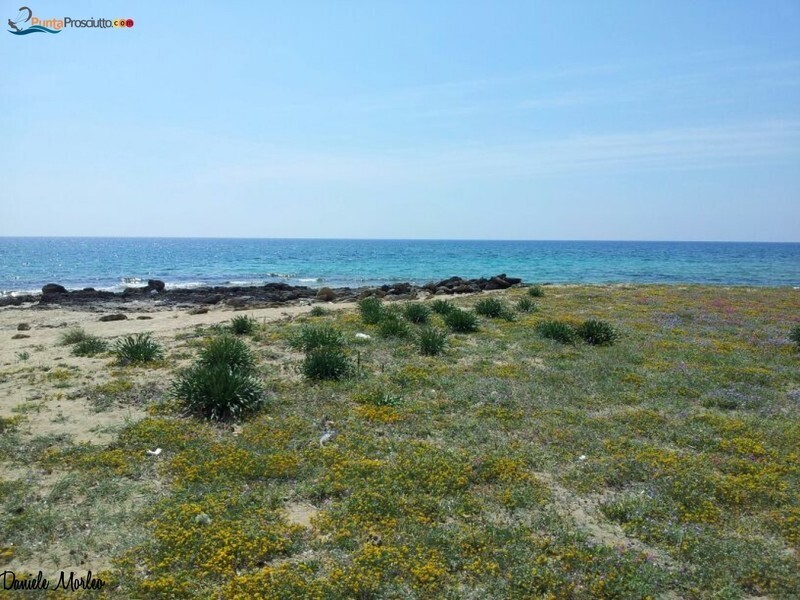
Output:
x=155 y=293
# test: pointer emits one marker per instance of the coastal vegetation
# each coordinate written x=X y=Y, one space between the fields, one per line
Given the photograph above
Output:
x=653 y=453
x=140 y=348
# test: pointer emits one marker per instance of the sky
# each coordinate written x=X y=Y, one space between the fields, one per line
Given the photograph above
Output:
x=573 y=120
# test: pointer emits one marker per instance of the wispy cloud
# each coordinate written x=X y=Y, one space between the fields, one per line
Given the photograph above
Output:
x=775 y=142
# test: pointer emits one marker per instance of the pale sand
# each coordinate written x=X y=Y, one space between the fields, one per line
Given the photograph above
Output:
x=60 y=407
x=24 y=381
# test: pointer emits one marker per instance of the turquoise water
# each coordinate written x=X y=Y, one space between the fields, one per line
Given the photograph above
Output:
x=112 y=263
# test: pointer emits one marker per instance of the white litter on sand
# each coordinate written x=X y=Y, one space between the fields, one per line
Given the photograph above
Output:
x=155 y=452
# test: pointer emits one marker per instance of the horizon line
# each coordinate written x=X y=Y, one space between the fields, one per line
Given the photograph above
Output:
x=397 y=239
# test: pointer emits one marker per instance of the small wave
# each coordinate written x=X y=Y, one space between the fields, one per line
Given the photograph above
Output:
x=35 y=29
x=311 y=279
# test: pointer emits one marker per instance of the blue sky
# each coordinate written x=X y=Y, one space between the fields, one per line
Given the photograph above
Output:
x=487 y=120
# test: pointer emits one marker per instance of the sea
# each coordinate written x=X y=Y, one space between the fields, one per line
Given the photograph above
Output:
x=114 y=263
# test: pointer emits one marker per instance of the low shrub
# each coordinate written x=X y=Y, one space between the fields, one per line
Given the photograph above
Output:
x=441 y=307
x=89 y=346
x=377 y=396
x=73 y=336
x=227 y=351
x=461 y=321
x=417 y=313
x=794 y=335
x=597 y=333
x=317 y=336
x=557 y=330
x=432 y=341
x=140 y=348
x=326 y=362
x=526 y=305
x=318 y=311
x=492 y=308
x=243 y=325
x=393 y=325
x=536 y=291
x=371 y=310
x=218 y=392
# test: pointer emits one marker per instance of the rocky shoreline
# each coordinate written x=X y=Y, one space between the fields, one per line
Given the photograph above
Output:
x=156 y=294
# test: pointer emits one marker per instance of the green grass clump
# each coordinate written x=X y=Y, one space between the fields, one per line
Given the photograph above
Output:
x=536 y=291
x=326 y=362
x=461 y=321
x=442 y=307
x=319 y=311
x=222 y=383
x=229 y=351
x=491 y=307
x=140 y=348
x=73 y=336
x=371 y=310
x=317 y=336
x=526 y=305
x=432 y=341
x=494 y=309
x=794 y=335
x=243 y=325
x=89 y=346
x=218 y=392
x=393 y=325
x=597 y=333
x=417 y=313
x=558 y=331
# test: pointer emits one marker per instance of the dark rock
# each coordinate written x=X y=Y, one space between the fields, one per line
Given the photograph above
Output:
x=23 y=327
x=466 y=289
x=326 y=294
x=19 y=336
x=114 y=317
x=401 y=288
x=198 y=311
x=213 y=299
x=513 y=280
x=156 y=284
x=53 y=288
x=451 y=282
x=17 y=300
x=441 y=291
x=143 y=318
x=497 y=283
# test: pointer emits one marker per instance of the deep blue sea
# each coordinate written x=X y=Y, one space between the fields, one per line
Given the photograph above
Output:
x=112 y=263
